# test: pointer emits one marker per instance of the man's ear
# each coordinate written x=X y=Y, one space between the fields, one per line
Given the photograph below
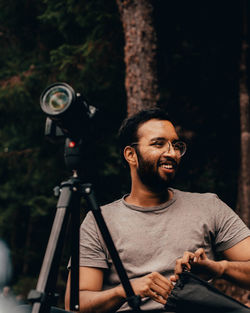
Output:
x=130 y=155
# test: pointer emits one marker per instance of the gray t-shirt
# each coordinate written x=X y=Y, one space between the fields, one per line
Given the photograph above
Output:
x=150 y=239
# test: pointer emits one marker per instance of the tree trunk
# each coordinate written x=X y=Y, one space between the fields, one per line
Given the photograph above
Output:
x=243 y=206
x=140 y=54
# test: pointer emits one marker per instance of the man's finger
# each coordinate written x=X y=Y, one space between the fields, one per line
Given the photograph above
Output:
x=156 y=297
x=182 y=264
x=187 y=256
x=178 y=267
x=164 y=292
x=199 y=255
x=162 y=281
x=173 y=278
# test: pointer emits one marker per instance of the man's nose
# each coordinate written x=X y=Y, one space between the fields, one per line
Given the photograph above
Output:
x=169 y=150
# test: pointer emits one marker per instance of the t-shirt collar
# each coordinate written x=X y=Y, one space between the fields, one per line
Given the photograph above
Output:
x=151 y=208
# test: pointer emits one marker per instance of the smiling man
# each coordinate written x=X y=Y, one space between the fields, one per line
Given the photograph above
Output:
x=156 y=229
x=153 y=161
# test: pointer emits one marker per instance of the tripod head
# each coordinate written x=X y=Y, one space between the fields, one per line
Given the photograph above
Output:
x=73 y=154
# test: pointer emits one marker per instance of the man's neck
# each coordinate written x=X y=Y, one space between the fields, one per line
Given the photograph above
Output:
x=146 y=198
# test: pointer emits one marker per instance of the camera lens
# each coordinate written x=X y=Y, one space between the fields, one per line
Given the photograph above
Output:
x=57 y=99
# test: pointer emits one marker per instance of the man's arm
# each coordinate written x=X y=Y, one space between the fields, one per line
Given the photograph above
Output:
x=94 y=299
x=235 y=267
x=91 y=296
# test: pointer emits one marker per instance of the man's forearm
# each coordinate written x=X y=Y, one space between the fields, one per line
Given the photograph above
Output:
x=237 y=272
x=102 y=301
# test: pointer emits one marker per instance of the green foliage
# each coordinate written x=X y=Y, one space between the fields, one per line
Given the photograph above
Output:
x=41 y=43
x=91 y=47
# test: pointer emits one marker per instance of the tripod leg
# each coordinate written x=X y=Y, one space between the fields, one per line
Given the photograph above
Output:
x=48 y=274
x=133 y=300
x=74 y=282
x=44 y=295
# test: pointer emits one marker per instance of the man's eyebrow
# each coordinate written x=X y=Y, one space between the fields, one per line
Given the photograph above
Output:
x=163 y=139
x=158 y=138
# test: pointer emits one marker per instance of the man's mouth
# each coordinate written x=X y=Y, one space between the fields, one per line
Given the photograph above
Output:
x=168 y=164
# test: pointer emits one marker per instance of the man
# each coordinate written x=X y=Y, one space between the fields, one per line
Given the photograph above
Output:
x=158 y=230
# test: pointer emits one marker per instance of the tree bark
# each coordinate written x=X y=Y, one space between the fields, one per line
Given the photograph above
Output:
x=243 y=205
x=141 y=81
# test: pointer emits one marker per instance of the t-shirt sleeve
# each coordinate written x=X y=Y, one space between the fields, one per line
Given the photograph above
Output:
x=229 y=228
x=92 y=249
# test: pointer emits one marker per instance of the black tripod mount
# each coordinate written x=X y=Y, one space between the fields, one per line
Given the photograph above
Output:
x=70 y=193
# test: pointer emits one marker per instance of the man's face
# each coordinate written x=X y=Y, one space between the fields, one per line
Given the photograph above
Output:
x=157 y=160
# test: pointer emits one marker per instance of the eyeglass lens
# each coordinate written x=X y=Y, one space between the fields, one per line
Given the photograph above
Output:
x=179 y=146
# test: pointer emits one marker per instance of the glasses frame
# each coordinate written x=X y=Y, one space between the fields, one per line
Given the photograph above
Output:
x=169 y=145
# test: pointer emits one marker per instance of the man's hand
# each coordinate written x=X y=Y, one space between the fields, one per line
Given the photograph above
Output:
x=200 y=264
x=153 y=285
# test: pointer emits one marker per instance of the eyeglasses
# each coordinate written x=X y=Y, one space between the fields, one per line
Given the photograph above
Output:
x=179 y=146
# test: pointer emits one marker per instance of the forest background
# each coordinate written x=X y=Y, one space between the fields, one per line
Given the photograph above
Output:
x=199 y=47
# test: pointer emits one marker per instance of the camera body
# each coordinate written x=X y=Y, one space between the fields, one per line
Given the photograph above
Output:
x=68 y=113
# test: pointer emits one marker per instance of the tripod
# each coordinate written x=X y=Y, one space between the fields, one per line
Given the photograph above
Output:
x=70 y=193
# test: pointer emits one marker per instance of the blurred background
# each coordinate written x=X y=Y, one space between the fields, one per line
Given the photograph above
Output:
x=199 y=57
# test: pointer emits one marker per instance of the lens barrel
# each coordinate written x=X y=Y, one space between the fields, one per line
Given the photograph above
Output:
x=57 y=98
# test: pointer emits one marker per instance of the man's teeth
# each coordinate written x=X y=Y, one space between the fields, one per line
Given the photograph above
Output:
x=168 y=166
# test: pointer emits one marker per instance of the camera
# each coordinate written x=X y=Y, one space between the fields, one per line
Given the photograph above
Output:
x=68 y=113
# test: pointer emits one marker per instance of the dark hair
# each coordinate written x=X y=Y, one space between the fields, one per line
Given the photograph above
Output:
x=128 y=131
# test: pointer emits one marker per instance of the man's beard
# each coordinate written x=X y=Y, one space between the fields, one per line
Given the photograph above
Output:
x=150 y=176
